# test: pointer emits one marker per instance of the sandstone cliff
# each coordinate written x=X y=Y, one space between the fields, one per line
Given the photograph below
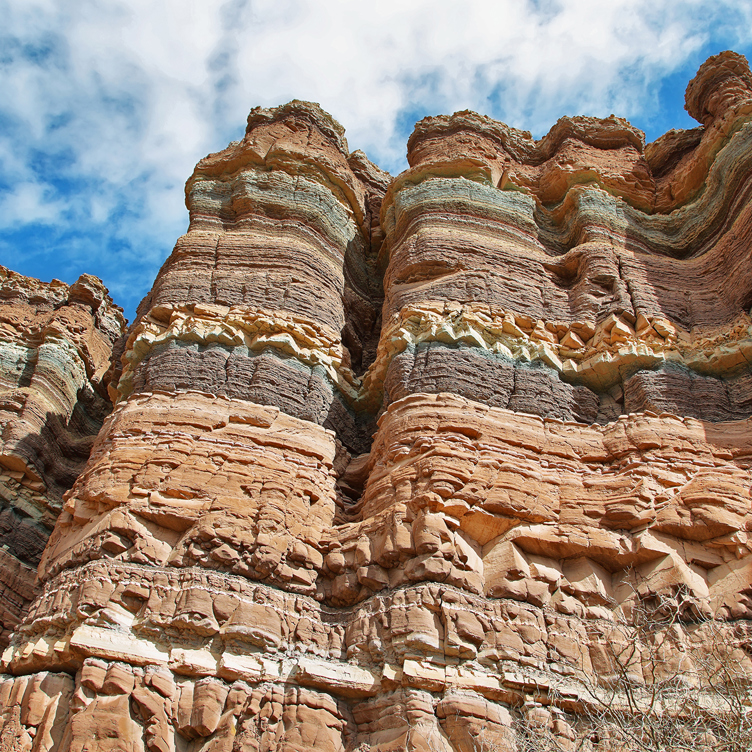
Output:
x=55 y=348
x=391 y=458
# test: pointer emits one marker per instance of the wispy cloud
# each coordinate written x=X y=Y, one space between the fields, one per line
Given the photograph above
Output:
x=106 y=105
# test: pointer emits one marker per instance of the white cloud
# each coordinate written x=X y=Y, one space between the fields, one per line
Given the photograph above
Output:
x=30 y=202
x=106 y=105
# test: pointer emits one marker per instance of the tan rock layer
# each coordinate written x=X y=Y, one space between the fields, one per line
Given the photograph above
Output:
x=116 y=706
x=467 y=627
x=456 y=492
x=210 y=643
x=171 y=471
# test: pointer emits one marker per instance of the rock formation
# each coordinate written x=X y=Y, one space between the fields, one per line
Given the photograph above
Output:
x=390 y=457
x=55 y=348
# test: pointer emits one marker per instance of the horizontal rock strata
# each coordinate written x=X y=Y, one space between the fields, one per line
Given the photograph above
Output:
x=171 y=468
x=397 y=463
x=280 y=258
x=55 y=346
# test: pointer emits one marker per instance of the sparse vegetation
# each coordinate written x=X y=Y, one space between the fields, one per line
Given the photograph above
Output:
x=676 y=682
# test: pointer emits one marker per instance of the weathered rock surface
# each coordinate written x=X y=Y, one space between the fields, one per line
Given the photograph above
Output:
x=55 y=346
x=393 y=460
x=280 y=259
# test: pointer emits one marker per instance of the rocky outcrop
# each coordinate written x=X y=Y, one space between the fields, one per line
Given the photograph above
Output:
x=273 y=295
x=55 y=346
x=392 y=462
x=586 y=251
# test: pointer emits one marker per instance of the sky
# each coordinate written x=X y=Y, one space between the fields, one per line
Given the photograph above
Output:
x=106 y=105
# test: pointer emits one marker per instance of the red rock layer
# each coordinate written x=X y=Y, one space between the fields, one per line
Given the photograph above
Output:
x=305 y=526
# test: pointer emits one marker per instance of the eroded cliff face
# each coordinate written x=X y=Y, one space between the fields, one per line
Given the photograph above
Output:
x=391 y=458
x=55 y=348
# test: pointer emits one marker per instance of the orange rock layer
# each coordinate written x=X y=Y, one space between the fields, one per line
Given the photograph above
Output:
x=392 y=460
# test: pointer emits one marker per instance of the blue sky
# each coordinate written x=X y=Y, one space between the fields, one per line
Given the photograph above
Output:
x=105 y=106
